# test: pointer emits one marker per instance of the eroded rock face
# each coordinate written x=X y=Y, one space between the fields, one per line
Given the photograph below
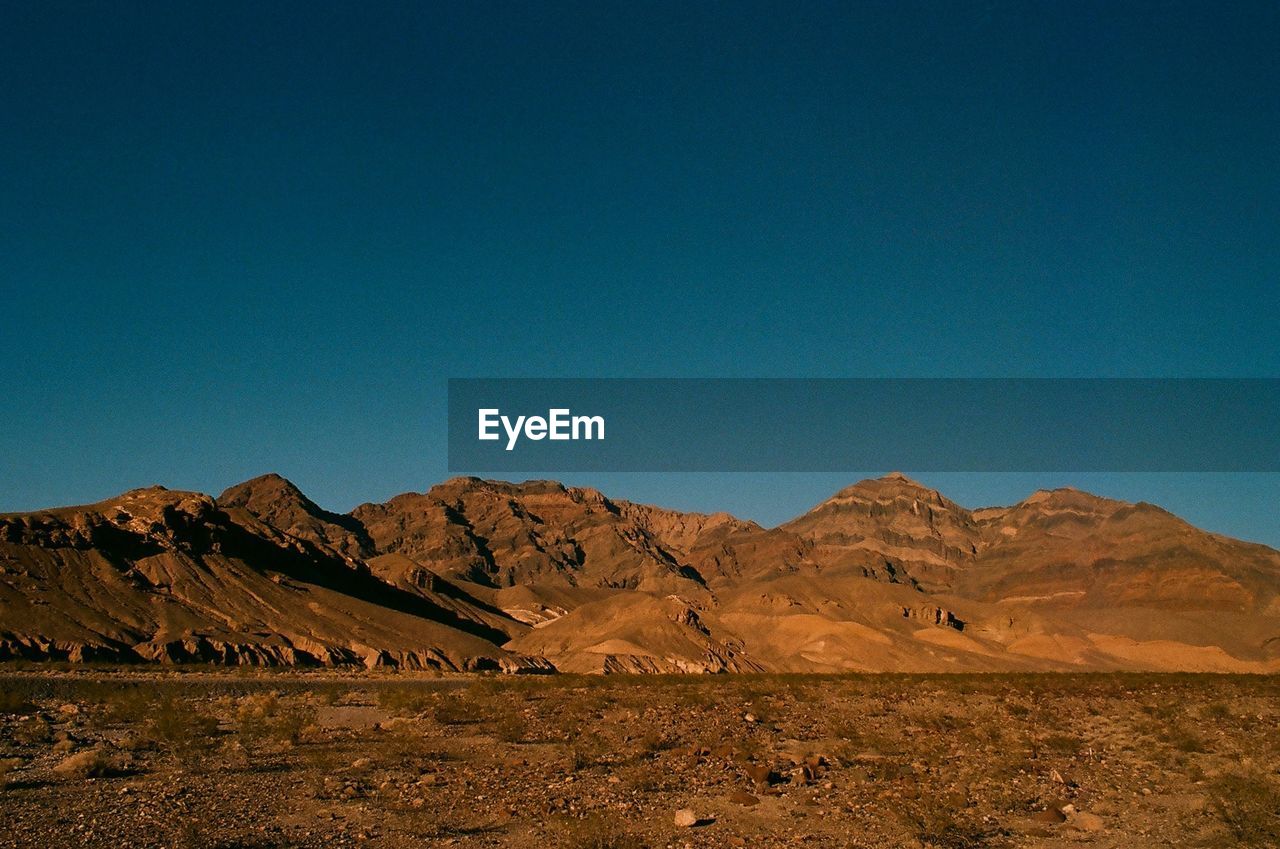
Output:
x=141 y=519
x=279 y=503
x=36 y=648
x=502 y=535
x=543 y=533
x=483 y=575
x=1068 y=549
x=170 y=577
x=932 y=615
x=893 y=529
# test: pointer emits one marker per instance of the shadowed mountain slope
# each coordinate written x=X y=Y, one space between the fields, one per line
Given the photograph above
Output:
x=280 y=504
x=169 y=576
x=540 y=532
x=884 y=575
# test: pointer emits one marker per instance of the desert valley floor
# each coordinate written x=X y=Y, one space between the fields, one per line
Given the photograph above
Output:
x=145 y=758
x=889 y=669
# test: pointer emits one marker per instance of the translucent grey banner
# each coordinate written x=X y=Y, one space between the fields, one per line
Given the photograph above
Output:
x=813 y=425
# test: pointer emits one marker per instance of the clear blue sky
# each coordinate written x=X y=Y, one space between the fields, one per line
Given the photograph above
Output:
x=249 y=237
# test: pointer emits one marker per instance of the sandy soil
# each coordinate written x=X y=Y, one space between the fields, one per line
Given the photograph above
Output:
x=141 y=759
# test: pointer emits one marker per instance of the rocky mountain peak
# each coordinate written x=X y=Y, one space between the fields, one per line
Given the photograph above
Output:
x=278 y=502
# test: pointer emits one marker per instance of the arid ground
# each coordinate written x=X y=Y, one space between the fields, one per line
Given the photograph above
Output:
x=94 y=757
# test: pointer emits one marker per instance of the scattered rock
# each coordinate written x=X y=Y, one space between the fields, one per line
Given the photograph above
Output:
x=760 y=774
x=801 y=776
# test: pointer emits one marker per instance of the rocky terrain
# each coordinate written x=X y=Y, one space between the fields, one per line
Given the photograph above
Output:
x=886 y=575
x=379 y=759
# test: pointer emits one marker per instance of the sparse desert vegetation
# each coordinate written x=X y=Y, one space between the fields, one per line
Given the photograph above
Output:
x=272 y=759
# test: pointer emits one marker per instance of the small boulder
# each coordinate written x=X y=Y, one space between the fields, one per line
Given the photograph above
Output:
x=760 y=774
x=685 y=818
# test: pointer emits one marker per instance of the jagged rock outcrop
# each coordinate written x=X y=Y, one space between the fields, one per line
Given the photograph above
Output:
x=892 y=529
x=164 y=576
x=502 y=534
x=280 y=504
x=931 y=615
x=484 y=575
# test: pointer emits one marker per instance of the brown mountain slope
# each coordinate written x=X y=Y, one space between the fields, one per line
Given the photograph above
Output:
x=885 y=575
x=277 y=502
x=890 y=575
x=844 y=623
x=461 y=599
x=636 y=632
x=539 y=532
x=1068 y=548
x=894 y=529
x=723 y=550
x=168 y=576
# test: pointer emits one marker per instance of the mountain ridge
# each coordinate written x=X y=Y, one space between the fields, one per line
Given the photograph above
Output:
x=884 y=575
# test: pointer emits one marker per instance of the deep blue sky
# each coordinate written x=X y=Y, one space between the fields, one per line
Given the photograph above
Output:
x=241 y=238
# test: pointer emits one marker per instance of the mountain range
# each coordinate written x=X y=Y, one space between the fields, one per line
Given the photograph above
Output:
x=886 y=575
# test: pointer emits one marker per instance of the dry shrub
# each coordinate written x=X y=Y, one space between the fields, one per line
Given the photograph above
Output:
x=7 y=767
x=654 y=741
x=1184 y=739
x=1217 y=710
x=128 y=705
x=181 y=729
x=263 y=718
x=408 y=747
x=598 y=832
x=587 y=750
x=936 y=824
x=643 y=778
x=16 y=702
x=91 y=763
x=1063 y=744
x=405 y=700
x=453 y=711
x=32 y=731
x=1248 y=805
x=511 y=728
